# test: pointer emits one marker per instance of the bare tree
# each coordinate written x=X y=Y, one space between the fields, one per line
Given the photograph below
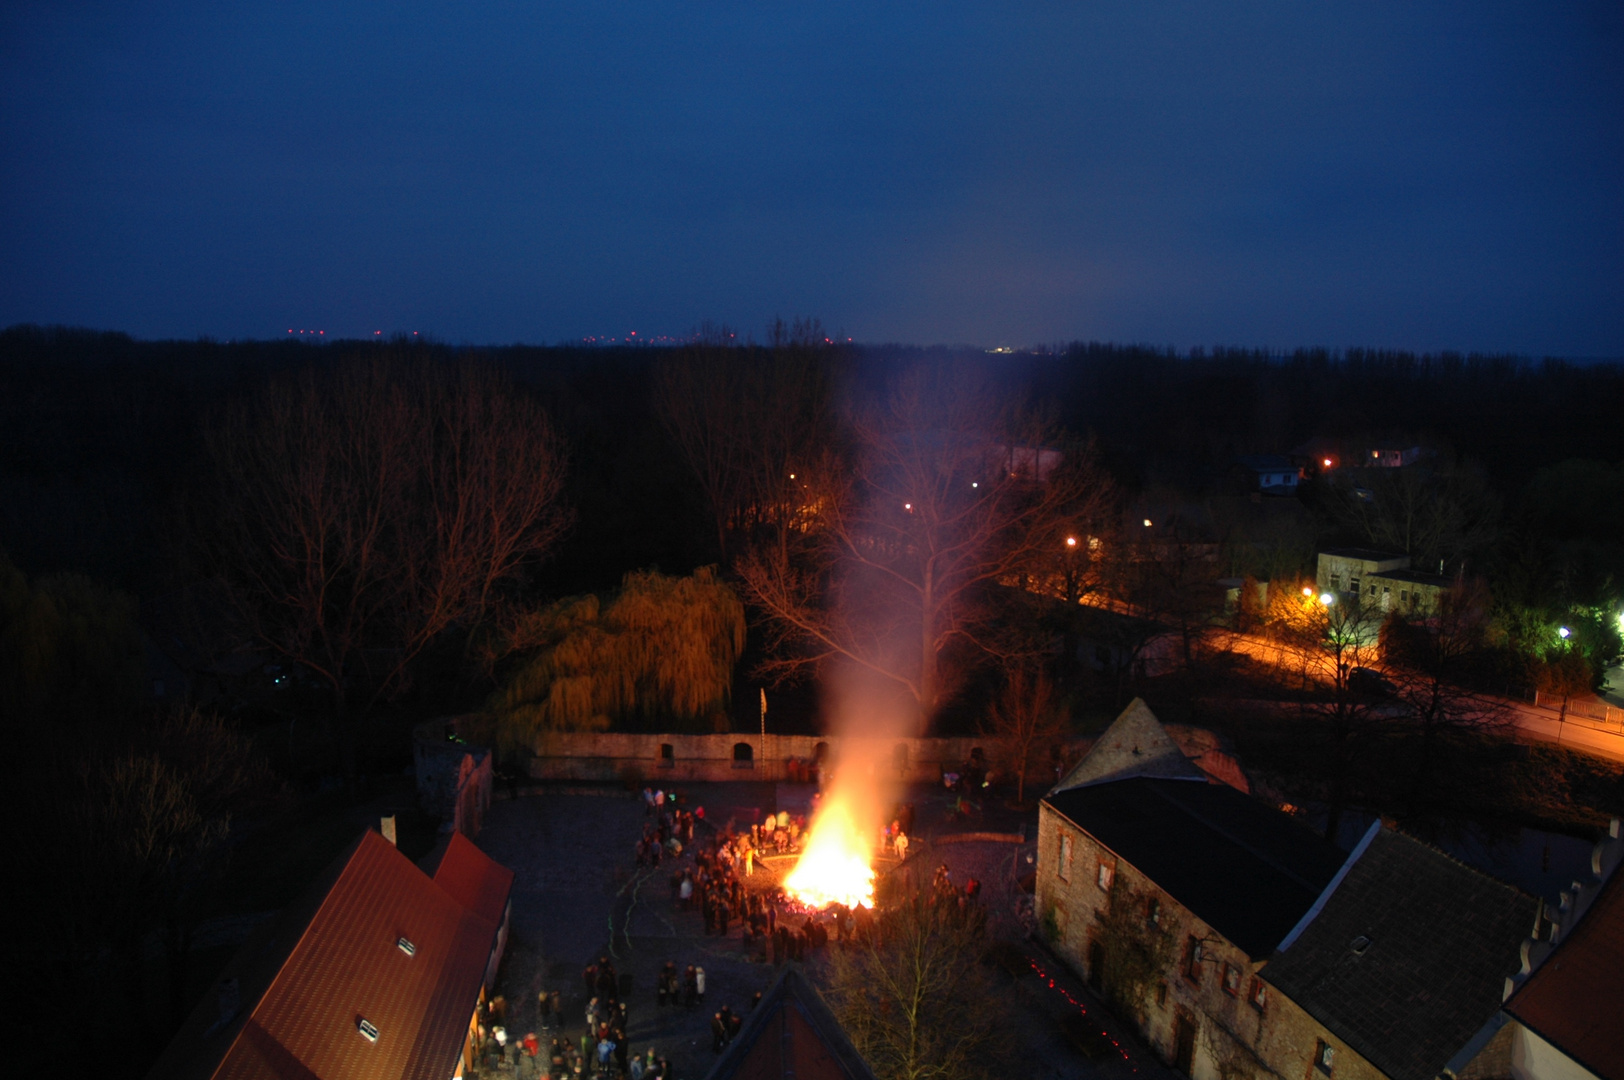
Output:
x=1433 y=513
x=1026 y=719
x=913 y=997
x=377 y=507
x=754 y=426
x=1428 y=662
x=949 y=514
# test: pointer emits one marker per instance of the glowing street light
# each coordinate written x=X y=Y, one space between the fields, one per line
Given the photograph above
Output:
x=1307 y=591
x=1147 y=523
x=1327 y=463
x=1563 y=632
x=1327 y=599
x=1071 y=541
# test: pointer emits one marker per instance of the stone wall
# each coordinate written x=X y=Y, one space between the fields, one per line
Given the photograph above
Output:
x=1233 y=1036
x=613 y=756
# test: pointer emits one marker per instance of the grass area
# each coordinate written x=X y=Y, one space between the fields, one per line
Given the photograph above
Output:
x=1487 y=777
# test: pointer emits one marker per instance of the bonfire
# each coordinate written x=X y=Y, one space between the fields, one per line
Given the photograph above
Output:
x=834 y=867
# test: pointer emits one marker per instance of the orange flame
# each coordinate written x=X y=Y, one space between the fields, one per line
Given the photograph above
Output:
x=834 y=868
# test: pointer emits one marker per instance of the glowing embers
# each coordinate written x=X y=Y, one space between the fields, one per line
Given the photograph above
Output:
x=834 y=866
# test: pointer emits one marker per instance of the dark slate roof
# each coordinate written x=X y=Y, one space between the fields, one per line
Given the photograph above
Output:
x=1572 y=999
x=1244 y=868
x=791 y=1035
x=1417 y=577
x=1366 y=554
x=1408 y=958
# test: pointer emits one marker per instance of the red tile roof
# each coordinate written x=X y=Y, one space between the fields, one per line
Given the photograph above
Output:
x=474 y=879
x=333 y=961
x=1572 y=999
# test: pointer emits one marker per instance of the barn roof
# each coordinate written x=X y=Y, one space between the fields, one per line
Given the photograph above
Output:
x=1241 y=866
x=791 y=1035
x=374 y=940
x=1571 y=1000
x=1407 y=957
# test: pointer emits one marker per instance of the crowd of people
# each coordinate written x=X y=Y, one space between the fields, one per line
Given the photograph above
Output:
x=711 y=868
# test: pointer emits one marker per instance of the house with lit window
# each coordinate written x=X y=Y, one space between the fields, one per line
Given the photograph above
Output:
x=377 y=971
x=1380 y=580
x=1270 y=474
x=1240 y=943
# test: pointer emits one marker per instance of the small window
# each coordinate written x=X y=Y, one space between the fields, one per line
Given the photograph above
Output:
x=1324 y=1056
x=744 y=755
x=1161 y=995
x=1259 y=996
x=1358 y=945
x=368 y=1030
x=406 y=947
x=1153 y=912
x=1065 y=856
x=1232 y=980
x=1192 y=959
x=1105 y=875
x=668 y=755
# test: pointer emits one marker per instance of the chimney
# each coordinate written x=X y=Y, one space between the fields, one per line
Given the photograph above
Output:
x=387 y=827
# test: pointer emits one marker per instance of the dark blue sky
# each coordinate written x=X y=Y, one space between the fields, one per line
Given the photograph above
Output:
x=1408 y=174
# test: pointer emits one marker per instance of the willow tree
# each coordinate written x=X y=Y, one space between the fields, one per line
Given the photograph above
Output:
x=660 y=648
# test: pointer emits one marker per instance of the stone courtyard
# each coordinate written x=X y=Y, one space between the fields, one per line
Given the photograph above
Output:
x=578 y=896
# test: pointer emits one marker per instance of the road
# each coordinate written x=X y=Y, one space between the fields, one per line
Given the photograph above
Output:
x=1533 y=723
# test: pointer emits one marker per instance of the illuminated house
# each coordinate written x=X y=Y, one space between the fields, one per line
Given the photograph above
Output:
x=377 y=971
x=1380 y=580
x=1242 y=944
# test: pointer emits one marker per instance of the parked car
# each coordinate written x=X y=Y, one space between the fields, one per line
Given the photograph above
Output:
x=1363 y=680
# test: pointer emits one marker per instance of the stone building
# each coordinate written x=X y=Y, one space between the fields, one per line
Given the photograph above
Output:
x=1243 y=945
x=1380 y=580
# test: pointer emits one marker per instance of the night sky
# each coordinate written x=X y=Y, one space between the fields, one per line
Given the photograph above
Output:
x=1409 y=174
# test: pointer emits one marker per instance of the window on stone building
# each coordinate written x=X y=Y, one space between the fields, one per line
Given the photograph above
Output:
x=1105 y=875
x=1353 y=586
x=1324 y=1056
x=1153 y=912
x=668 y=755
x=1259 y=996
x=1161 y=995
x=1192 y=959
x=1065 y=856
x=1232 y=980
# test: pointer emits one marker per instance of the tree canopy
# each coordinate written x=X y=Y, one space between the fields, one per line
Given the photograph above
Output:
x=659 y=647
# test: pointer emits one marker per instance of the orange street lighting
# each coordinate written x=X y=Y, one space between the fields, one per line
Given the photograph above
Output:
x=1071 y=541
x=1327 y=463
x=1147 y=523
x=1307 y=591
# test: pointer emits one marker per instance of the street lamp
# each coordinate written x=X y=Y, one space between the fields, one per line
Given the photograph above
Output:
x=1327 y=599
x=1563 y=632
x=1071 y=541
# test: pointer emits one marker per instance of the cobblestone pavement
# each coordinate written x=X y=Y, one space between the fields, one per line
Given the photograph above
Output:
x=577 y=896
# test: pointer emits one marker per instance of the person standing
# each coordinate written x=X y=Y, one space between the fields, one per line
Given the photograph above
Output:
x=699 y=984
